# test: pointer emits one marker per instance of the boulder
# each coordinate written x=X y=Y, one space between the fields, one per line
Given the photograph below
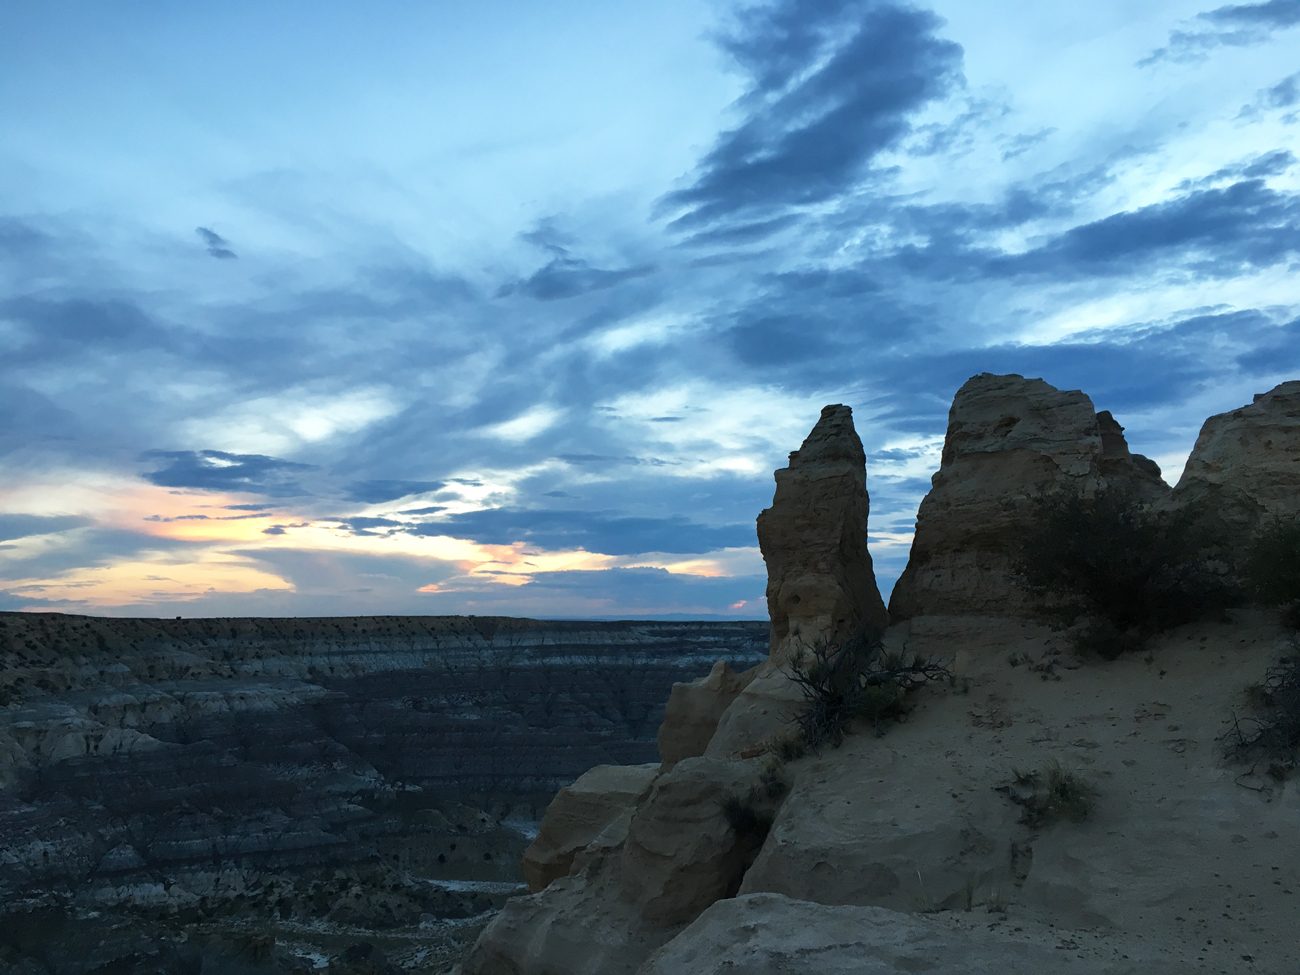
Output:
x=579 y=925
x=1010 y=440
x=579 y=814
x=1245 y=466
x=821 y=583
x=682 y=852
x=694 y=708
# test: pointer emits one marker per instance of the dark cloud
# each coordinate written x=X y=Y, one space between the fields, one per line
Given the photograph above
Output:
x=832 y=84
x=379 y=491
x=217 y=246
x=1235 y=25
x=67 y=328
x=23 y=526
x=1266 y=164
x=567 y=277
x=217 y=470
x=365 y=525
x=1285 y=94
x=1217 y=232
x=609 y=533
x=248 y=507
x=432 y=509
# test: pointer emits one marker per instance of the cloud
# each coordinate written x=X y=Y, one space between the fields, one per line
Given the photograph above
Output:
x=24 y=526
x=609 y=533
x=1285 y=94
x=218 y=470
x=217 y=246
x=1223 y=231
x=1235 y=25
x=567 y=277
x=831 y=86
x=380 y=490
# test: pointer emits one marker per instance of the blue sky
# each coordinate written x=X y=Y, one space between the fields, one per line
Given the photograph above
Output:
x=318 y=308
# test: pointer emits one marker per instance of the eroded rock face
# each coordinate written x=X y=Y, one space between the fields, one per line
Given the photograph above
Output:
x=1009 y=441
x=579 y=814
x=682 y=854
x=694 y=709
x=1245 y=466
x=821 y=583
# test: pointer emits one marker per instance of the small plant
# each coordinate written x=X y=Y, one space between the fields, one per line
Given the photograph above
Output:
x=1124 y=567
x=745 y=818
x=1272 y=569
x=1272 y=734
x=1051 y=794
x=854 y=679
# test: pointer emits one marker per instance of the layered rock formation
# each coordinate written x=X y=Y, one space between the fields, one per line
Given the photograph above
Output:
x=820 y=580
x=1245 y=466
x=1010 y=440
x=357 y=771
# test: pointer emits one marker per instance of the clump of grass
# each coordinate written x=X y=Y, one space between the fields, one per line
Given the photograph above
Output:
x=1051 y=794
x=1271 y=735
x=853 y=680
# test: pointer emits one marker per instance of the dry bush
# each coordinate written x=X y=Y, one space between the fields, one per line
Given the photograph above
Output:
x=1271 y=735
x=1050 y=794
x=854 y=680
x=1272 y=569
x=1123 y=567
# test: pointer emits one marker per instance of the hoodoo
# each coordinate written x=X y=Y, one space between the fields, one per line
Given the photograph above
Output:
x=820 y=580
x=1009 y=441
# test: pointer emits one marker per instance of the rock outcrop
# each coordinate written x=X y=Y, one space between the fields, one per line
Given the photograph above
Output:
x=694 y=710
x=820 y=580
x=1009 y=441
x=1245 y=466
x=580 y=814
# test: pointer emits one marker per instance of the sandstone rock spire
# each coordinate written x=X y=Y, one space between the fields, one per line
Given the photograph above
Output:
x=1009 y=441
x=1245 y=466
x=821 y=583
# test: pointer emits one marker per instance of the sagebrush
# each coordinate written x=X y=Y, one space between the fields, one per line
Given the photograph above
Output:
x=1270 y=735
x=850 y=680
x=1050 y=794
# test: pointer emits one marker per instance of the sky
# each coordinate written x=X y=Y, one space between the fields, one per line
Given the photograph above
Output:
x=320 y=308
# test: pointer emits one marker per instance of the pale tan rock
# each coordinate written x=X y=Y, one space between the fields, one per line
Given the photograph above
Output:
x=579 y=814
x=579 y=925
x=694 y=708
x=1245 y=466
x=1010 y=440
x=821 y=583
x=763 y=712
x=768 y=934
x=681 y=853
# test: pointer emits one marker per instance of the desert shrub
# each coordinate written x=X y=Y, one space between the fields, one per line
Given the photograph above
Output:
x=1050 y=794
x=1272 y=568
x=745 y=817
x=1128 y=569
x=851 y=680
x=1271 y=734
